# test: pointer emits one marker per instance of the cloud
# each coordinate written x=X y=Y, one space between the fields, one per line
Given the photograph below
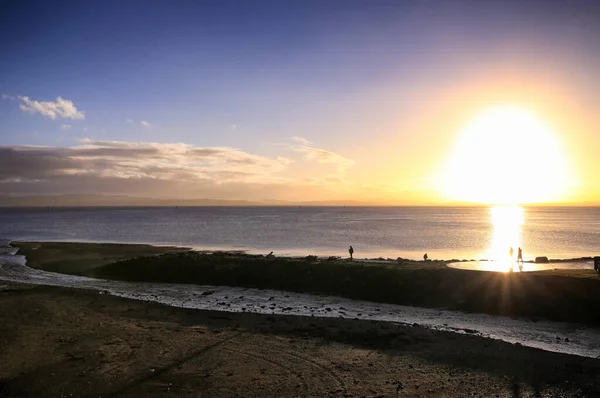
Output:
x=127 y=165
x=61 y=108
x=66 y=126
x=174 y=170
x=143 y=123
x=301 y=140
x=321 y=155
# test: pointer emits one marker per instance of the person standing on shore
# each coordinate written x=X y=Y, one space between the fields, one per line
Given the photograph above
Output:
x=351 y=251
x=520 y=259
x=510 y=253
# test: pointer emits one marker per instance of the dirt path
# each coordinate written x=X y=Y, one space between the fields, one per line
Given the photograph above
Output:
x=63 y=342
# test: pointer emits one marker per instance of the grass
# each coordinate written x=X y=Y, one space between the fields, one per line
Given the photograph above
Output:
x=566 y=295
x=82 y=258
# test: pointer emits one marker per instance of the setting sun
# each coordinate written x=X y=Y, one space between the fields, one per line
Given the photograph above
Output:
x=506 y=155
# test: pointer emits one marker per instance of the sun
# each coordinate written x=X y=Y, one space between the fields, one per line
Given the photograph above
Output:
x=506 y=155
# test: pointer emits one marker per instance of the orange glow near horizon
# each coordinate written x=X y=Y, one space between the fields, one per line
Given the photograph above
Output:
x=507 y=156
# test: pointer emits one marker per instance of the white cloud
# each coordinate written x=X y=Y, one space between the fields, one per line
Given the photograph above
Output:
x=125 y=160
x=129 y=121
x=301 y=140
x=323 y=156
x=61 y=108
x=145 y=123
x=320 y=155
x=66 y=126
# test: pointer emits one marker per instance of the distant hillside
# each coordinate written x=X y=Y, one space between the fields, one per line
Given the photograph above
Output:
x=74 y=200
x=112 y=200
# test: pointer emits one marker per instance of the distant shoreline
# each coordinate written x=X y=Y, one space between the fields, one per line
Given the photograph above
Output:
x=206 y=250
x=259 y=205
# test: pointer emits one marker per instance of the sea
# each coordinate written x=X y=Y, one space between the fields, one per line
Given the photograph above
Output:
x=462 y=233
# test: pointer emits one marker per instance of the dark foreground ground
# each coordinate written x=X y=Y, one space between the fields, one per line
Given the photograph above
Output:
x=63 y=342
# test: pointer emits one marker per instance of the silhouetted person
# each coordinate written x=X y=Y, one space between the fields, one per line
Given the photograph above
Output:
x=520 y=259
x=425 y=257
x=351 y=251
x=510 y=253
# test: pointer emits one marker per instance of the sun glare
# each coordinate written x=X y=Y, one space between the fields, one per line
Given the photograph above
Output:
x=507 y=222
x=507 y=155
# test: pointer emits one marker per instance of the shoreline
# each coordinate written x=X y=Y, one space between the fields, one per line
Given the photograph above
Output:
x=256 y=252
x=409 y=283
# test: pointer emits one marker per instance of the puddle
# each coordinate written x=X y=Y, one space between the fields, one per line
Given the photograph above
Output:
x=508 y=266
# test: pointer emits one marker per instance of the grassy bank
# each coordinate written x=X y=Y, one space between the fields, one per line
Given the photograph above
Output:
x=570 y=296
x=83 y=258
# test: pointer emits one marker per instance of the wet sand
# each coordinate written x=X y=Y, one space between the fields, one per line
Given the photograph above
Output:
x=58 y=341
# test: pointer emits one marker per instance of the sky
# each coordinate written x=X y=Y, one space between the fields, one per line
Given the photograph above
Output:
x=298 y=101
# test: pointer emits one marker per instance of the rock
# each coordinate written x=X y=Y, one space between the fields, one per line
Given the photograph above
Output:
x=399 y=386
x=541 y=260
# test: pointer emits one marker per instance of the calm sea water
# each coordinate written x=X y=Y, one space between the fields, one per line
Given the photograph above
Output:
x=442 y=232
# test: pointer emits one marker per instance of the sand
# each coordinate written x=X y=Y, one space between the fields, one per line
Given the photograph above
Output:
x=57 y=341
x=65 y=342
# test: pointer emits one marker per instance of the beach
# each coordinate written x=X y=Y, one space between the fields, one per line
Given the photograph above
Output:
x=63 y=342
x=59 y=340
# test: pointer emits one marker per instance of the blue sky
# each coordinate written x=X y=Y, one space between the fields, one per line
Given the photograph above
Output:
x=346 y=76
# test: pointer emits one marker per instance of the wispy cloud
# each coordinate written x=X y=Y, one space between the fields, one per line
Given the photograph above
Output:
x=319 y=155
x=143 y=123
x=66 y=126
x=301 y=140
x=323 y=156
x=61 y=108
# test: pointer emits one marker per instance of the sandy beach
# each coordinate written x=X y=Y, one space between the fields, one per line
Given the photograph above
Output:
x=69 y=342
x=59 y=341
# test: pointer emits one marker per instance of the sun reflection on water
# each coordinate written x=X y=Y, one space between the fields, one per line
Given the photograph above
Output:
x=507 y=222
